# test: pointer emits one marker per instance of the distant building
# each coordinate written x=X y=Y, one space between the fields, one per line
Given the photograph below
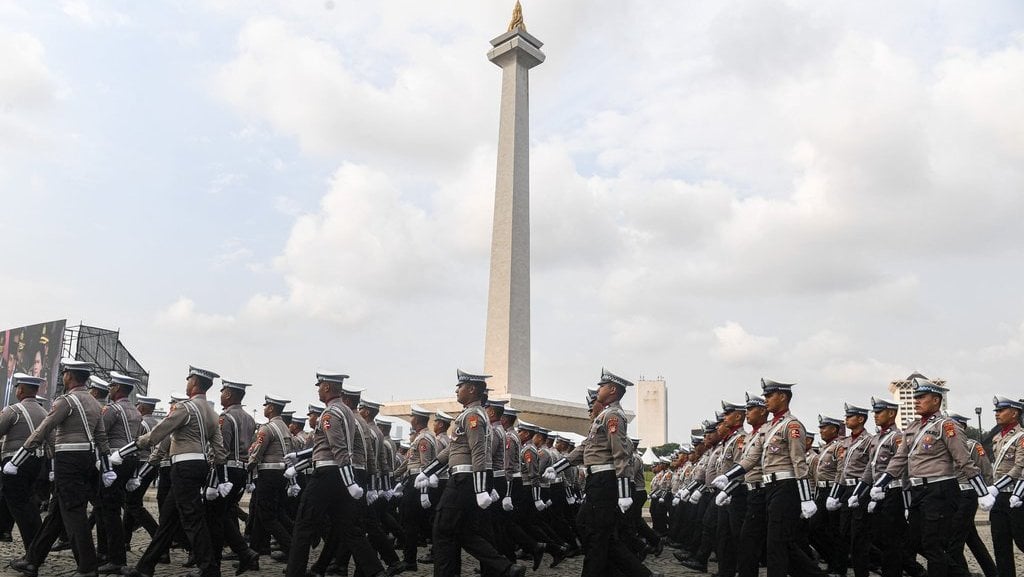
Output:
x=903 y=394
x=652 y=412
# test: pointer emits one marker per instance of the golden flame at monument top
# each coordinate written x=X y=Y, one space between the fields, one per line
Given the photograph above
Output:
x=517 y=18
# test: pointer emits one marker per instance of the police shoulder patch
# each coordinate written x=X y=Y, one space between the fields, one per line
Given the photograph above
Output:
x=950 y=428
x=104 y=410
x=981 y=450
x=221 y=421
x=474 y=421
x=325 y=420
x=528 y=457
x=613 y=425
x=794 y=430
x=423 y=446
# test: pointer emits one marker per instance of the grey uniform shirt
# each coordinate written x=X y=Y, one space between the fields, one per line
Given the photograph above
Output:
x=608 y=442
x=784 y=449
x=497 y=447
x=145 y=426
x=1008 y=448
x=273 y=442
x=932 y=448
x=531 y=464
x=980 y=460
x=75 y=417
x=189 y=424
x=513 y=450
x=17 y=422
x=334 y=434
x=471 y=440
x=750 y=457
x=363 y=454
x=883 y=446
x=827 y=471
x=732 y=449
x=421 y=453
x=122 y=421
x=856 y=456
x=237 y=428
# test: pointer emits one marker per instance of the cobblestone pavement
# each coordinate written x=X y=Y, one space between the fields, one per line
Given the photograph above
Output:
x=61 y=564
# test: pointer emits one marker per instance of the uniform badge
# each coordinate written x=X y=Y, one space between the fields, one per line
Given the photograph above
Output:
x=423 y=446
x=794 y=430
x=950 y=429
x=613 y=425
x=104 y=410
x=508 y=443
x=473 y=421
x=260 y=437
x=221 y=421
x=981 y=450
x=928 y=442
x=739 y=443
x=528 y=457
x=325 y=420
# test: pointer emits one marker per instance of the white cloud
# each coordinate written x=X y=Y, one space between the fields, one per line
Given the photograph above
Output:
x=91 y=15
x=738 y=347
x=182 y=315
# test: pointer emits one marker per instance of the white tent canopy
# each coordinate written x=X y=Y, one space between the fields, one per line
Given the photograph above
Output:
x=649 y=457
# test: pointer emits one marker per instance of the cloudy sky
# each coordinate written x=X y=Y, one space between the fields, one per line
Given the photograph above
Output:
x=826 y=193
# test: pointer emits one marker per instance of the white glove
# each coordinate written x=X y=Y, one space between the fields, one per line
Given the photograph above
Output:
x=985 y=502
x=906 y=514
x=871 y=506
x=1015 y=501
x=571 y=499
x=720 y=482
x=211 y=493
x=506 y=503
x=432 y=481
x=389 y=494
x=108 y=478
x=424 y=500
x=12 y=469
x=250 y=488
x=675 y=501
x=156 y=481
x=807 y=509
x=833 y=504
x=494 y=496
x=290 y=473
x=722 y=499
x=224 y=488
x=398 y=490
x=115 y=458
x=695 y=497
x=421 y=481
x=683 y=494
x=539 y=505
x=371 y=496
x=550 y=475
x=355 y=490
x=483 y=500
x=853 y=502
x=133 y=484
x=547 y=504
x=993 y=491
x=877 y=493
x=50 y=476
x=293 y=490
x=625 y=504
x=290 y=458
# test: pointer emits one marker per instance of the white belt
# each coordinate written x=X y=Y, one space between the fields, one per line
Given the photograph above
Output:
x=456 y=469
x=359 y=467
x=849 y=482
x=517 y=475
x=600 y=468
x=66 y=447
x=919 y=481
x=235 y=464
x=896 y=484
x=754 y=486
x=188 y=457
x=271 y=467
x=527 y=483
x=166 y=463
x=499 y=473
x=1006 y=489
x=966 y=487
x=324 y=464
x=780 y=476
x=414 y=470
x=825 y=484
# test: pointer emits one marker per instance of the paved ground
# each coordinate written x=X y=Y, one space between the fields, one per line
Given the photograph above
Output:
x=61 y=564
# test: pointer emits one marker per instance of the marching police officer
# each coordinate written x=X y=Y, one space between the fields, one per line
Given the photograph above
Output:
x=460 y=518
x=237 y=428
x=192 y=426
x=78 y=437
x=135 y=513
x=266 y=459
x=1005 y=516
x=962 y=529
x=889 y=524
x=855 y=528
x=17 y=422
x=932 y=453
x=415 y=502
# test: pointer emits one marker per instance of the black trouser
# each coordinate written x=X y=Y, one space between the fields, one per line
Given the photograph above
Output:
x=959 y=530
x=860 y=534
x=75 y=480
x=135 y=513
x=845 y=534
x=413 y=518
x=931 y=512
x=636 y=511
x=184 y=508
x=222 y=519
x=109 y=525
x=326 y=502
x=823 y=532
x=558 y=514
x=890 y=530
x=753 y=533
x=518 y=533
x=271 y=512
x=782 y=502
x=461 y=523
x=369 y=519
x=730 y=529
x=501 y=521
x=598 y=522
x=525 y=515
x=19 y=499
x=1007 y=530
x=695 y=525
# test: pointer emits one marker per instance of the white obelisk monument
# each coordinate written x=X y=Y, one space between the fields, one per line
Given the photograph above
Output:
x=507 y=342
